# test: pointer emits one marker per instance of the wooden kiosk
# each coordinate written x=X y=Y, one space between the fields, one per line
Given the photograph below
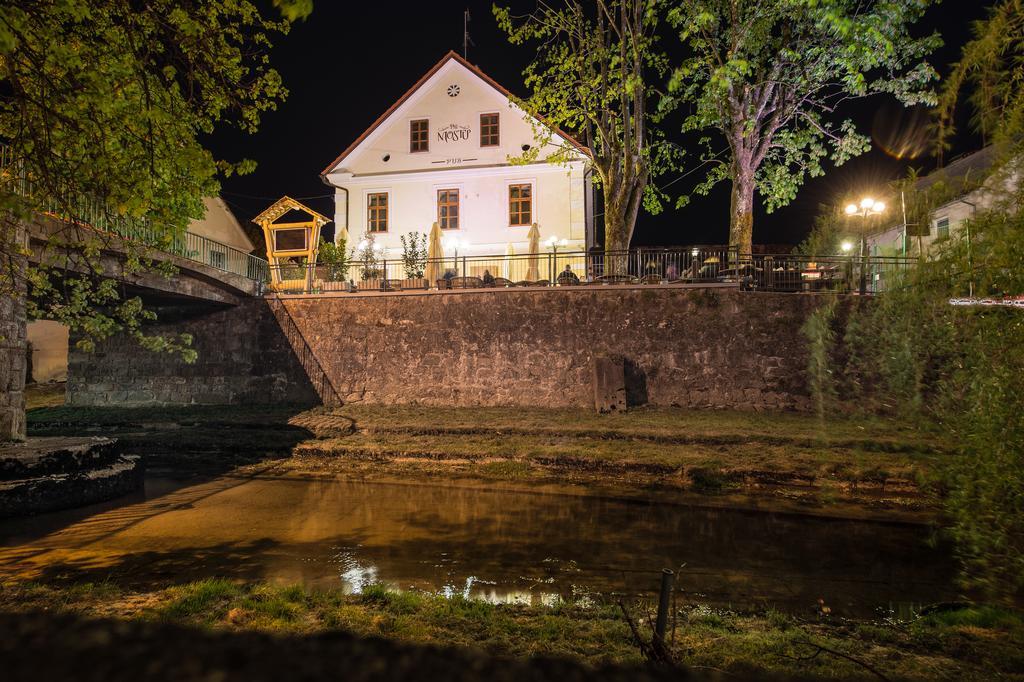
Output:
x=292 y=245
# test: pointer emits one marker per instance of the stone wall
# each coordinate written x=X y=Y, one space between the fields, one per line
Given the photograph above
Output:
x=12 y=335
x=700 y=348
x=243 y=358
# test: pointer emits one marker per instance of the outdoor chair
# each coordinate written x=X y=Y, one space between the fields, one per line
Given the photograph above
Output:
x=528 y=283
x=466 y=283
x=651 y=279
x=709 y=272
x=617 y=279
x=502 y=282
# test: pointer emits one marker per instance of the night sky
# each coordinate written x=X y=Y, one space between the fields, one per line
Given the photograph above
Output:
x=347 y=63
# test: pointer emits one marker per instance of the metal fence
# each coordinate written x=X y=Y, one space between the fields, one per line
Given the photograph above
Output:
x=690 y=265
x=94 y=213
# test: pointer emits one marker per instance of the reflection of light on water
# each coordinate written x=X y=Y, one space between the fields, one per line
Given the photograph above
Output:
x=449 y=591
x=355 y=575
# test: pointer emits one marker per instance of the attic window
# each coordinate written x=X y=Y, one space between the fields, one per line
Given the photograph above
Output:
x=488 y=130
x=419 y=135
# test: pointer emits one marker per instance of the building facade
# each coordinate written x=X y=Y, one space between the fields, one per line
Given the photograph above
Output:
x=443 y=153
x=969 y=191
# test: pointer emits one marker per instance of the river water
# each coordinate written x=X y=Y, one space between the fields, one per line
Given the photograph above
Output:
x=471 y=539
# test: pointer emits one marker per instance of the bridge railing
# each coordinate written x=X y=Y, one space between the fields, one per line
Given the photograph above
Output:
x=93 y=212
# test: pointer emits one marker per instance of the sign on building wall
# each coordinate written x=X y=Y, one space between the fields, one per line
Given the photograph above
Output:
x=453 y=132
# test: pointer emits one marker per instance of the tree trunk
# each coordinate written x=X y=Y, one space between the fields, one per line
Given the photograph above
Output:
x=741 y=223
x=620 y=214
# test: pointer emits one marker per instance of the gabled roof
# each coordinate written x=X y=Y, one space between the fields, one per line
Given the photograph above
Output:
x=452 y=55
x=282 y=206
x=962 y=170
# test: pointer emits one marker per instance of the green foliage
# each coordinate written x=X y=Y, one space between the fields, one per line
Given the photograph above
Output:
x=333 y=257
x=597 y=75
x=818 y=330
x=911 y=353
x=368 y=254
x=103 y=105
x=960 y=368
x=201 y=599
x=831 y=226
x=767 y=76
x=990 y=71
x=414 y=254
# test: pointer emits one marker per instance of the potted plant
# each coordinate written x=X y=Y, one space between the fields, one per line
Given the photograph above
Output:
x=333 y=265
x=414 y=258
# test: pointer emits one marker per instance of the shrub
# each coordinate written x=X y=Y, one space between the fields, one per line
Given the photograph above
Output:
x=910 y=353
x=332 y=256
x=414 y=254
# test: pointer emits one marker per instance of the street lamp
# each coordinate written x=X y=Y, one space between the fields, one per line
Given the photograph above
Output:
x=553 y=243
x=846 y=246
x=867 y=208
x=454 y=243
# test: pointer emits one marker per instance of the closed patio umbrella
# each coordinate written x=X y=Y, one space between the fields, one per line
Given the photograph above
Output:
x=533 y=270
x=509 y=253
x=434 y=255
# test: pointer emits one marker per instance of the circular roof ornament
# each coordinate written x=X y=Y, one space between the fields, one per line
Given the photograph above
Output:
x=453 y=90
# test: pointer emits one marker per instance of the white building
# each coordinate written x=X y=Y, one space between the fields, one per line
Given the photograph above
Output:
x=965 y=177
x=221 y=225
x=442 y=154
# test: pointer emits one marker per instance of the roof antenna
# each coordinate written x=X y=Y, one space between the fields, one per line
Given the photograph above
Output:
x=466 y=40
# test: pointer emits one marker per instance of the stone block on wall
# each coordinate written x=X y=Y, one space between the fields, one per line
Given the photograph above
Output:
x=609 y=380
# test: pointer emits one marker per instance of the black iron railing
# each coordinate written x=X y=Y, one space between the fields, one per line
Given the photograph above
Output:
x=304 y=354
x=690 y=265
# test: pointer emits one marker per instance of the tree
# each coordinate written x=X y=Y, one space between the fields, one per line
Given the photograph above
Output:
x=594 y=75
x=989 y=70
x=770 y=76
x=958 y=369
x=103 y=108
x=415 y=251
x=334 y=259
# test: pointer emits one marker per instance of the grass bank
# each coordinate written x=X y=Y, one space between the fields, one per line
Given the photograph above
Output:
x=976 y=643
x=879 y=465
x=792 y=458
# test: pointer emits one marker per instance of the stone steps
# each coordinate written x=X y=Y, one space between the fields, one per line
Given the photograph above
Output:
x=47 y=474
x=59 y=455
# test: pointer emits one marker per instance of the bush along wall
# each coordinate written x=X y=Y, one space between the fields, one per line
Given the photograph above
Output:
x=913 y=355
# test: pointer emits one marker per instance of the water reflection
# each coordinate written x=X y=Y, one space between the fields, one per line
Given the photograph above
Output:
x=502 y=546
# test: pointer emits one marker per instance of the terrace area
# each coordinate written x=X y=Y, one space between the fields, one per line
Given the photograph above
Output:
x=691 y=265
